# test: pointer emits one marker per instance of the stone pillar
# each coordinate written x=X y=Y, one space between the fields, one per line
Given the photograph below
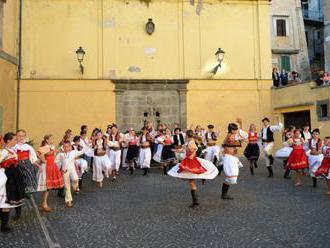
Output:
x=183 y=108
x=119 y=107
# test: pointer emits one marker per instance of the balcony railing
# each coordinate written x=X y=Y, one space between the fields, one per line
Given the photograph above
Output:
x=313 y=15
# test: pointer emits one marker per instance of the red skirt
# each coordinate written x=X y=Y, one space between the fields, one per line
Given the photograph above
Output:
x=191 y=165
x=323 y=170
x=297 y=160
x=53 y=174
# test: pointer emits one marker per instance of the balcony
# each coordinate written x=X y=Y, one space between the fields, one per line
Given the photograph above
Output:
x=315 y=16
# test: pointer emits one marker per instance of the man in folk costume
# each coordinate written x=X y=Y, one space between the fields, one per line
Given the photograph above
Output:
x=212 y=150
x=144 y=160
x=115 y=140
x=178 y=141
x=315 y=156
x=267 y=133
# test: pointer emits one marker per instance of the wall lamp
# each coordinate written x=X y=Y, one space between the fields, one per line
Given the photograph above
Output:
x=220 y=54
x=80 y=56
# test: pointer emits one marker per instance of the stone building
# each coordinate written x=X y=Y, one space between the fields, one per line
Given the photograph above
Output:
x=327 y=35
x=289 y=48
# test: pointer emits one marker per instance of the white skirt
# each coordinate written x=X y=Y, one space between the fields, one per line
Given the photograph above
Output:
x=231 y=165
x=144 y=158
x=158 y=155
x=101 y=164
x=210 y=173
x=41 y=178
x=314 y=162
x=284 y=152
x=3 y=194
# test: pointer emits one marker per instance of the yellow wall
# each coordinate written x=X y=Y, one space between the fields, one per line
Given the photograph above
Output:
x=52 y=106
x=8 y=68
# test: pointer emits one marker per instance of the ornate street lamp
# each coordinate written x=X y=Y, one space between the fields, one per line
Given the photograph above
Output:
x=220 y=54
x=80 y=56
x=150 y=26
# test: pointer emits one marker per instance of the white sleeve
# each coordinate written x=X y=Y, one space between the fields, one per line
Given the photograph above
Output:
x=3 y=155
x=243 y=134
x=275 y=128
x=79 y=153
x=33 y=155
x=59 y=160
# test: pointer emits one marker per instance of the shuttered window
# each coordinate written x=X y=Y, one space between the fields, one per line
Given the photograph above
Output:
x=286 y=63
x=281 y=27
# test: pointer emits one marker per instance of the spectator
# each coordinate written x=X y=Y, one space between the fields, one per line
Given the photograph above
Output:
x=276 y=78
x=326 y=78
x=284 y=77
x=295 y=77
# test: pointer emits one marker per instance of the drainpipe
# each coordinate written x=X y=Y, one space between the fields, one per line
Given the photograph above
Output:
x=19 y=67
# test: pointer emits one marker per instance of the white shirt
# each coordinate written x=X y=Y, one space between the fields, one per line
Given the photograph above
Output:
x=87 y=146
x=27 y=147
x=5 y=153
x=307 y=136
x=273 y=128
x=66 y=161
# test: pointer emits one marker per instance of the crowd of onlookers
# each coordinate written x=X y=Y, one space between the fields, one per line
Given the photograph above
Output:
x=323 y=79
x=284 y=78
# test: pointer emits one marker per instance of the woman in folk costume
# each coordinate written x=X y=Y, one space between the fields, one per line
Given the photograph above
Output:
x=231 y=163
x=315 y=156
x=297 y=160
x=167 y=155
x=252 y=150
x=324 y=169
x=145 y=140
x=86 y=144
x=101 y=163
x=80 y=163
x=124 y=148
x=114 y=152
x=267 y=133
x=49 y=175
x=12 y=186
x=193 y=168
x=132 y=151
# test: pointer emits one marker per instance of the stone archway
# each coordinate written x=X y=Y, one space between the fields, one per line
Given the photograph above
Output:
x=136 y=97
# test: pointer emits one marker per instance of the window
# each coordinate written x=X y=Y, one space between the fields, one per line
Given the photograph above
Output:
x=281 y=27
x=286 y=63
x=322 y=110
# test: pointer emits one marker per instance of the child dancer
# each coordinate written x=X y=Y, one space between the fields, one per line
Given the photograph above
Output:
x=252 y=150
x=66 y=162
x=315 y=157
x=26 y=158
x=178 y=143
x=132 y=151
x=324 y=169
x=115 y=139
x=231 y=163
x=101 y=161
x=167 y=155
x=212 y=150
x=80 y=163
x=12 y=184
x=297 y=160
x=145 y=151
x=49 y=176
x=193 y=168
x=86 y=144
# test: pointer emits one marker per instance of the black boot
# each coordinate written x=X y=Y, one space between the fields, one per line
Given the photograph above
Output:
x=287 y=173
x=271 y=159
x=131 y=170
x=194 y=198
x=4 y=222
x=60 y=193
x=255 y=164
x=251 y=171
x=224 y=194
x=270 y=170
x=165 y=170
x=220 y=168
x=314 y=182
x=145 y=171
x=18 y=213
x=80 y=184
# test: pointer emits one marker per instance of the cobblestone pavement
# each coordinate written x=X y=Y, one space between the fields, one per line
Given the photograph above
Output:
x=152 y=211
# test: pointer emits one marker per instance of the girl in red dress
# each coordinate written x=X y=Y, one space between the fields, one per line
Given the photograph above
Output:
x=297 y=160
x=49 y=176
x=324 y=169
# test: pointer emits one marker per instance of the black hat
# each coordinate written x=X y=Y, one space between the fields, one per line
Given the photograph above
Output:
x=265 y=119
x=316 y=130
x=76 y=138
x=210 y=126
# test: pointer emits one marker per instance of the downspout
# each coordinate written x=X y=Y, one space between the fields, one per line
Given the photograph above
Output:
x=19 y=66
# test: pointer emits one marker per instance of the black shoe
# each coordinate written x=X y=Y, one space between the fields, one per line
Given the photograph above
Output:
x=286 y=174
x=251 y=171
x=255 y=164
x=314 y=182
x=270 y=170
x=165 y=170
x=4 y=223
x=145 y=171
x=194 y=199
x=224 y=194
x=271 y=159
x=60 y=193
x=80 y=184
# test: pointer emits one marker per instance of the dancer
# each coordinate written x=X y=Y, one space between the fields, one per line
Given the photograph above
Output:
x=167 y=155
x=101 y=161
x=193 y=168
x=297 y=160
x=288 y=135
x=252 y=150
x=114 y=153
x=132 y=151
x=12 y=186
x=80 y=163
x=212 y=150
x=26 y=159
x=231 y=163
x=324 y=169
x=49 y=176
x=86 y=145
x=315 y=157
x=145 y=151
x=178 y=141
x=267 y=133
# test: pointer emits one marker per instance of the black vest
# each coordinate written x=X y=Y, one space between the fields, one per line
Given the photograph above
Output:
x=176 y=141
x=269 y=136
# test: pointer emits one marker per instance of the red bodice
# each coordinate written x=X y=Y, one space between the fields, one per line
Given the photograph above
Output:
x=23 y=155
x=253 y=137
x=6 y=163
